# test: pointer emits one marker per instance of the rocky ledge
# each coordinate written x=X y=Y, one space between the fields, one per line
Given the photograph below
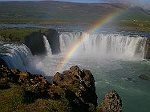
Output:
x=70 y=91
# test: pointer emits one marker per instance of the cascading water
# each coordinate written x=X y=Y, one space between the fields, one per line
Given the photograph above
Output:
x=114 y=45
x=47 y=46
x=99 y=45
x=15 y=55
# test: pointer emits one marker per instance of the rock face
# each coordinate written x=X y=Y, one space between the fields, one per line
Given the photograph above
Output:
x=80 y=82
x=36 y=83
x=53 y=39
x=35 y=43
x=2 y=62
x=111 y=103
x=147 y=49
x=74 y=89
x=70 y=91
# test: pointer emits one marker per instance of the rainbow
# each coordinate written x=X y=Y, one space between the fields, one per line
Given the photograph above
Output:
x=95 y=26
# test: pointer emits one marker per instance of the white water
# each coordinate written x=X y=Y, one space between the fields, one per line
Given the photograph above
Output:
x=93 y=47
x=16 y=56
x=47 y=46
x=105 y=45
x=112 y=59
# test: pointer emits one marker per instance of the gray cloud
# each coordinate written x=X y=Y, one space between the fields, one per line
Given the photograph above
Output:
x=140 y=3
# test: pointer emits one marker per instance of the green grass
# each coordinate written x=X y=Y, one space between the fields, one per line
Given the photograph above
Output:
x=15 y=99
x=139 y=26
x=18 y=34
x=59 y=13
x=11 y=99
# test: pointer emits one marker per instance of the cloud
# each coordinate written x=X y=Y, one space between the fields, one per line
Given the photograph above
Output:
x=140 y=3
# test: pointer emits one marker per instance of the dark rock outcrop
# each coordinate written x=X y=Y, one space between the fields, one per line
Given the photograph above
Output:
x=111 y=103
x=71 y=91
x=75 y=88
x=143 y=77
x=53 y=39
x=35 y=83
x=80 y=82
x=2 y=62
x=147 y=49
x=35 y=43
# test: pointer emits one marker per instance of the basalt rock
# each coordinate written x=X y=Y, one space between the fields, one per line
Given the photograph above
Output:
x=53 y=39
x=35 y=43
x=111 y=103
x=143 y=77
x=2 y=62
x=147 y=49
x=80 y=82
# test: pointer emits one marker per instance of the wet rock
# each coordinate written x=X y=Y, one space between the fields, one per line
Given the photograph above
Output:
x=147 y=49
x=35 y=43
x=111 y=103
x=143 y=77
x=2 y=62
x=53 y=39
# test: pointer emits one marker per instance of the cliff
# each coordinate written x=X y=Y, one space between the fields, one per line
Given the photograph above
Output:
x=70 y=91
x=147 y=49
x=35 y=42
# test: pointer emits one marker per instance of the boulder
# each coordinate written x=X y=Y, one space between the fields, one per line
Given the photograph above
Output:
x=143 y=77
x=111 y=103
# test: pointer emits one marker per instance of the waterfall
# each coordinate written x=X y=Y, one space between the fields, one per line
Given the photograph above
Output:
x=47 y=46
x=101 y=44
x=16 y=56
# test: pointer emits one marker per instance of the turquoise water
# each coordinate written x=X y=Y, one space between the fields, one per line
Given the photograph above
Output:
x=122 y=76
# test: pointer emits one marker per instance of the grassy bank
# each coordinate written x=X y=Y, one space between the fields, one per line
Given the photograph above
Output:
x=139 y=26
x=17 y=34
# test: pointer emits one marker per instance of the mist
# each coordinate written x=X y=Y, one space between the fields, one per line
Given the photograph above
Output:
x=133 y=3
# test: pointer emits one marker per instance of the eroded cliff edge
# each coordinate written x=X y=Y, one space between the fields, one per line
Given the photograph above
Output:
x=35 y=42
x=70 y=91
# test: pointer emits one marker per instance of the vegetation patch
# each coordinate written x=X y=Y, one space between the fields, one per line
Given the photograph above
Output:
x=17 y=34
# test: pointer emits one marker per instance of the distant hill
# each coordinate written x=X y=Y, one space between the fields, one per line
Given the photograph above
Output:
x=65 y=13
x=46 y=12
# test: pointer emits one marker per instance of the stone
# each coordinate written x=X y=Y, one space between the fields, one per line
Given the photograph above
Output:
x=147 y=49
x=2 y=62
x=53 y=39
x=111 y=103
x=143 y=77
x=80 y=82
x=35 y=43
